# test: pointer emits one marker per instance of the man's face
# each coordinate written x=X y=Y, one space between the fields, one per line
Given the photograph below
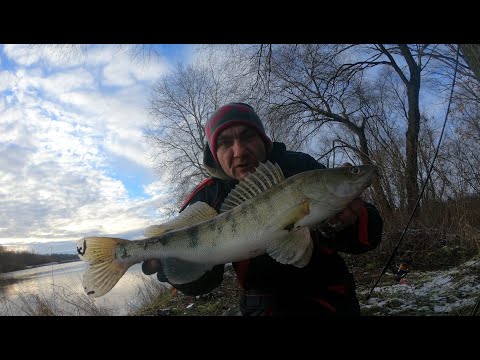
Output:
x=239 y=150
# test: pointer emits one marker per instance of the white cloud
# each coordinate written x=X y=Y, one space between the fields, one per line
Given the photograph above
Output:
x=56 y=56
x=21 y=54
x=7 y=80
x=121 y=70
x=59 y=131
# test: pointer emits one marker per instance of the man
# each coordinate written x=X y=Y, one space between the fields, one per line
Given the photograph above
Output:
x=237 y=143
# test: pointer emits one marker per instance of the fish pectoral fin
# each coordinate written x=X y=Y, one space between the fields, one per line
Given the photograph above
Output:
x=293 y=247
x=179 y=271
x=288 y=217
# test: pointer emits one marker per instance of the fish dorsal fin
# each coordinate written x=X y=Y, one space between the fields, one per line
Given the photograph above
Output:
x=192 y=215
x=265 y=176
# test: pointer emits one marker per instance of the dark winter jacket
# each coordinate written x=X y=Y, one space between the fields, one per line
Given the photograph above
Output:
x=324 y=286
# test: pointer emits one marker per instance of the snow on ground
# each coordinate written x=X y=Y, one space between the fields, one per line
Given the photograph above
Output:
x=448 y=292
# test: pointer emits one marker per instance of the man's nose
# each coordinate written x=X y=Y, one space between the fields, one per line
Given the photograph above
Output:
x=238 y=148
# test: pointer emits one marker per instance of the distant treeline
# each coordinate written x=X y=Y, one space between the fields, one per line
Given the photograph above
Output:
x=13 y=261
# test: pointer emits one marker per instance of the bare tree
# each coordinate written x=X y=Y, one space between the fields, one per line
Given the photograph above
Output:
x=471 y=52
x=306 y=98
x=466 y=145
x=407 y=62
x=180 y=105
x=461 y=162
x=311 y=92
x=315 y=89
x=250 y=65
x=140 y=53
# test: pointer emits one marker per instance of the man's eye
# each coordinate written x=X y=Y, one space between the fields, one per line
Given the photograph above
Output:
x=223 y=143
x=248 y=135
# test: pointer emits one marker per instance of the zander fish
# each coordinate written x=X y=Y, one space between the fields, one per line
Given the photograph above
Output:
x=264 y=213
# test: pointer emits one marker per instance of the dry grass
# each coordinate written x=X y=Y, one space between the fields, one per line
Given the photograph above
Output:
x=62 y=301
x=221 y=301
x=440 y=236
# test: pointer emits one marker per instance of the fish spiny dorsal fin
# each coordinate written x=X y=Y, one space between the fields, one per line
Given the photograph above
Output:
x=265 y=176
x=192 y=215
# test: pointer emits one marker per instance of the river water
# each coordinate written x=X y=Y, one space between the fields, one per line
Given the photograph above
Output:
x=60 y=286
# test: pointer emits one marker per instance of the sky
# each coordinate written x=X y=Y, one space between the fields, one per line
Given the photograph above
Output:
x=73 y=158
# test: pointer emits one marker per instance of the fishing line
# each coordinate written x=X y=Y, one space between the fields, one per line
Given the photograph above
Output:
x=424 y=185
x=475 y=309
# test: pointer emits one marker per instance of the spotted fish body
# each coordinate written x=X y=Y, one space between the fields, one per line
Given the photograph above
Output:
x=265 y=213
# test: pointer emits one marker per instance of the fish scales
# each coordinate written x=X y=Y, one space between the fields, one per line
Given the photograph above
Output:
x=265 y=213
x=253 y=217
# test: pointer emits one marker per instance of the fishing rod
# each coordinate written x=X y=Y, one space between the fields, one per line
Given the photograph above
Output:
x=392 y=255
x=477 y=305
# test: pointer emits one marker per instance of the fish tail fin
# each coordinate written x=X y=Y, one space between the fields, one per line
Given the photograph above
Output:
x=104 y=269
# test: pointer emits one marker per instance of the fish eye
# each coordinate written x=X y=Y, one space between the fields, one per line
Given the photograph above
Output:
x=355 y=170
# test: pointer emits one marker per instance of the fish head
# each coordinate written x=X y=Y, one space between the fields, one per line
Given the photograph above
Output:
x=329 y=191
x=349 y=182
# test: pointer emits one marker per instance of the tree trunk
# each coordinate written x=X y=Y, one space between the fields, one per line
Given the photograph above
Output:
x=472 y=57
x=411 y=169
x=379 y=194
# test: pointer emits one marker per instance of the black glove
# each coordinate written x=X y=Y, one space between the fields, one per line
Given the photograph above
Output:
x=209 y=281
x=153 y=266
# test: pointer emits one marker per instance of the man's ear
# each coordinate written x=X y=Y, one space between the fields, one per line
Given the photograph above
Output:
x=212 y=167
